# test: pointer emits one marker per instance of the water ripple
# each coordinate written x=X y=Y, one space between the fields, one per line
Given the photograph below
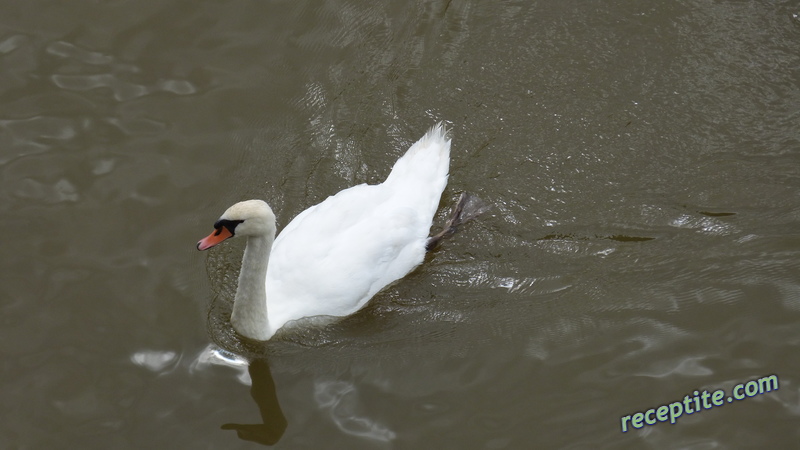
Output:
x=340 y=399
x=33 y=135
x=708 y=225
x=122 y=89
x=155 y=361
x=69 y=50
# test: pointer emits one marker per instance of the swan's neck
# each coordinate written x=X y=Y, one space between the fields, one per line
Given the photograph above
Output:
x=249 y=316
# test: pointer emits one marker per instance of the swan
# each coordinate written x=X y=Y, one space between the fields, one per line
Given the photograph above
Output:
x=334 y=256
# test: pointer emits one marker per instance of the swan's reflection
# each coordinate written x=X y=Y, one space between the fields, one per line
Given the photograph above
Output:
x=263 y=392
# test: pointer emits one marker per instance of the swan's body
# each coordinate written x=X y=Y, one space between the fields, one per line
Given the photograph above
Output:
x=334 y=256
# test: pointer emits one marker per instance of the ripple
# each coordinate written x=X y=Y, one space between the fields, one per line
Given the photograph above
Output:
x=531 y=285
x=155 y=361
x=180 y=87
x=340 y=398
x=213 y=355
x=33 y=135
x=708 y=225
x=61 y=191
x=103 y=166
x=790 y=294
x=689 y=366
x=122 y=90
x=68 y=50
x=12 y=43
x=137 y=126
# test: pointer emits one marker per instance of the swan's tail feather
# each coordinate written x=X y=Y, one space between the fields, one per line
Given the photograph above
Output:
x=421 y=174
x=427 y=161
x=467 y=208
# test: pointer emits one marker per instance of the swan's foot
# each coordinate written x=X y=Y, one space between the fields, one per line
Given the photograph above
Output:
x=467 y=208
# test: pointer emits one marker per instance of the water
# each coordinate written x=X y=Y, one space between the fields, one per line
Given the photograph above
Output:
x=641 y=157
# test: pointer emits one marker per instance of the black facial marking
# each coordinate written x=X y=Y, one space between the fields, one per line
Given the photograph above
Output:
x=229 y=224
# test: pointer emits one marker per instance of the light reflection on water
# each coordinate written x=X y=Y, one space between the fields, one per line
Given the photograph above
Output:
x=340 y=399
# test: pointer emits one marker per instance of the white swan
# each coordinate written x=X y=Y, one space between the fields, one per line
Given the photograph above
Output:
x=334 y=256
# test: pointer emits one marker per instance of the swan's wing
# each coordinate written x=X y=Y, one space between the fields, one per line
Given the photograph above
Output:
x=336 y=255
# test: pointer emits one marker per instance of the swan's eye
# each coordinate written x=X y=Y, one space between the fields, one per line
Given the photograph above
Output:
x=229 y=224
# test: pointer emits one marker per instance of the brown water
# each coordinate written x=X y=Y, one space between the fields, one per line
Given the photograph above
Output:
x=643 y=160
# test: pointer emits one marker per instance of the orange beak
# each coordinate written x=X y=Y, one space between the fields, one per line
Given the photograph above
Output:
x=214 y=238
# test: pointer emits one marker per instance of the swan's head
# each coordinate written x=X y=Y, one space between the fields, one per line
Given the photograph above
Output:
x=248 y=218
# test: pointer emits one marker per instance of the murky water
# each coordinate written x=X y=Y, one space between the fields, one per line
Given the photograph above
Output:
x=643 y=160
